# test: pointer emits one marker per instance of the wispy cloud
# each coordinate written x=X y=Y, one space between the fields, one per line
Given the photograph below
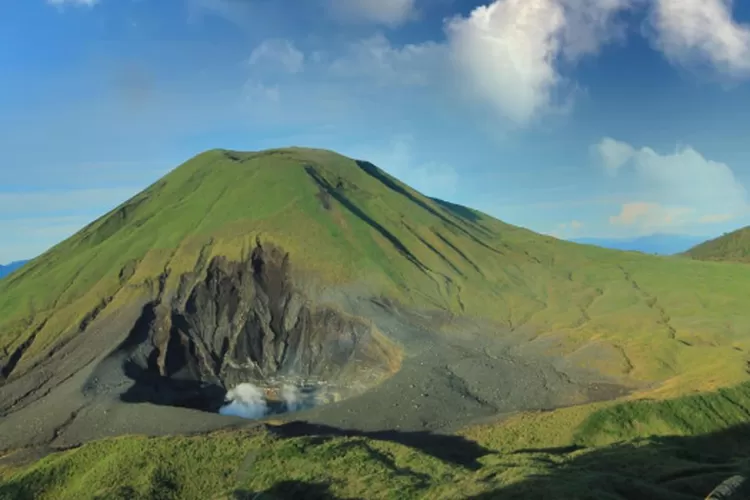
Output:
x=277 y=53
x=376 y=60
x=386 y=12
x=690 y=31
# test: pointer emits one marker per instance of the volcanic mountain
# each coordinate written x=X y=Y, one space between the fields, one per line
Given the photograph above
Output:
x=303 y=267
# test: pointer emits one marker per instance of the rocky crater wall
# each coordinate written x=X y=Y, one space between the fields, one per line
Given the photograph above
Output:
x=247 y=322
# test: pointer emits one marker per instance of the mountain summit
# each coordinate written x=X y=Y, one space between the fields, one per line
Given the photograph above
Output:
x=379 y=306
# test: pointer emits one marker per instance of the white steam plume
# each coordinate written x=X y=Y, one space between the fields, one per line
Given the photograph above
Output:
x=292 y=397
x=246 y=401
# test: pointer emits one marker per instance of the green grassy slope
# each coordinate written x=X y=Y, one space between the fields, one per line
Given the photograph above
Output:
x=731 y=247
x=645 y=318
x=678 y=322
x=693 y=444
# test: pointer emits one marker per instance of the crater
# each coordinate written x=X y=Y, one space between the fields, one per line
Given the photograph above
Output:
x=242 y=333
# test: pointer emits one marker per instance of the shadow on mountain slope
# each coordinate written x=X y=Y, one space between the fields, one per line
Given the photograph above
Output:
x=448 y=448
x=358 y=212
x=660 y=468
x=151 y=387
x=458 y=210
x=289 y=489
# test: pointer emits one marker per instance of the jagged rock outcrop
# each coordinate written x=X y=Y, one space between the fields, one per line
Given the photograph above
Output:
x=246 y=322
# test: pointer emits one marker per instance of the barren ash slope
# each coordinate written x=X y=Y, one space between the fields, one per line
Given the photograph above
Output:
x=300 y=266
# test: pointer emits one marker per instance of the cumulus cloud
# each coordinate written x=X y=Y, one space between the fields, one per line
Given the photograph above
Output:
x=675 y=189
x=613 y=154
x=506 y=54
x=510 y=56
x=386 y=12
x=508 y=51
x=687 y=31
x=278 y=53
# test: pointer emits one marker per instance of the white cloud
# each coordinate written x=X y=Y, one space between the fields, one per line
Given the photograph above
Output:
x=376 y=60
x=280 y=53
x=506 y=54
x=687 y=31
x=674 y=189
x=387 y=12
x=508 y=51
x=613 y=154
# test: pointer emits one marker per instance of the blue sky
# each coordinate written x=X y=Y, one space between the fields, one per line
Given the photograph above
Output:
x=596 y=118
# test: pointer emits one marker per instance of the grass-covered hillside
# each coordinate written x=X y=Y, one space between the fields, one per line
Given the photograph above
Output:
x=649 y=319
x=731 y=247
x=692 y=444
x=673 y=328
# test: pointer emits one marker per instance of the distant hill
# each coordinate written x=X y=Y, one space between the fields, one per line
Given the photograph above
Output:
x=661 y=244
x=732 y=247
x=7 y=269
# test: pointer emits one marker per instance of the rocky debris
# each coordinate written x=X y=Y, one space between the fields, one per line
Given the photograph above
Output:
x=247 y=322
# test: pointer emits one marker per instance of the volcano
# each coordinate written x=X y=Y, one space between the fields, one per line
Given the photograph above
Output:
x=392 y=310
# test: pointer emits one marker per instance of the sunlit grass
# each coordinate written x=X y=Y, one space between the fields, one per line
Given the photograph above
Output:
x=605 y=450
